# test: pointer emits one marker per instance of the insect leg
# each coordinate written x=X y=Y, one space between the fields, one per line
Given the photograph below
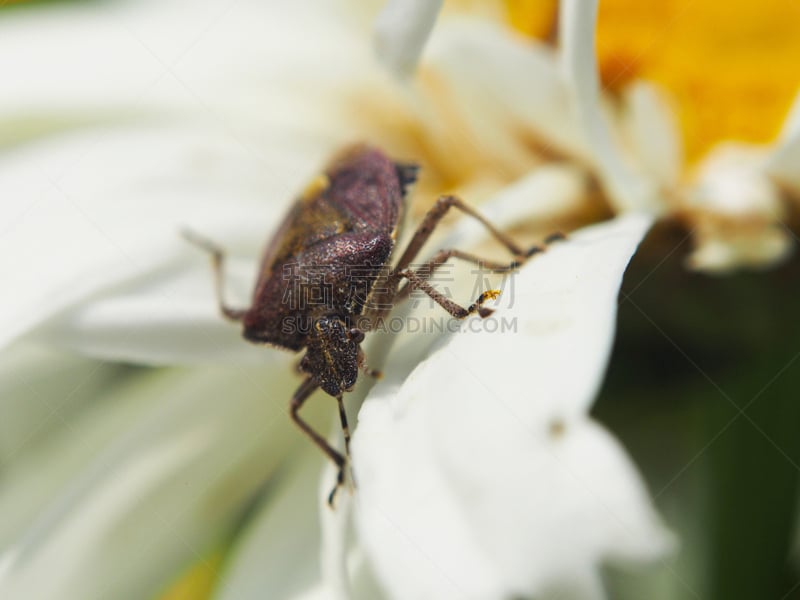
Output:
x=345 y=426
x=426 y=228
x=217 y=263
x=362 y=364
x=459 y=312
x=298 y=399
x=426 y=271
x=435 y=215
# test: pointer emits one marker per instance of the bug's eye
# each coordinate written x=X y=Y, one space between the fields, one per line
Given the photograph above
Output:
x=356 y=336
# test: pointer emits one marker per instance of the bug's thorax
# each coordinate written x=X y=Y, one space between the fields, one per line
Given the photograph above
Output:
x=331 y=248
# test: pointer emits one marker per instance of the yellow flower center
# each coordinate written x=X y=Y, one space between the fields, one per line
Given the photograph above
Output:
x=731 y=67
x=535 y=18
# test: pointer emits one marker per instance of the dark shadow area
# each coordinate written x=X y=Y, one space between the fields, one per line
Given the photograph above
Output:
x=703 y=391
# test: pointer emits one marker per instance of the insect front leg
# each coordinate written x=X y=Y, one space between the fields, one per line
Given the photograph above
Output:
x=217 y=265
x=436 y=214
x=362 y=364
x=416 y=282
x=427 y=270
x=298 y=399
x=432 y=218
x=345 y=429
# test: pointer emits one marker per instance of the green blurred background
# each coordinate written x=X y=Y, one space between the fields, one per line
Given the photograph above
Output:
x=703 y=391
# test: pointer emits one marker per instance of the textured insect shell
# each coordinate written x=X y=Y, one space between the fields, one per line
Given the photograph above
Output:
x=324 y=258
x=332 y=356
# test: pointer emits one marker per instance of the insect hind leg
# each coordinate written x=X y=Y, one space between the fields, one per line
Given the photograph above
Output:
x=217 y=265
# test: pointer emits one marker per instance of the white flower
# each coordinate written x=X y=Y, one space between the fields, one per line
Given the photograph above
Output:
x=736 y=201
x=482 y=473
x=166 y=116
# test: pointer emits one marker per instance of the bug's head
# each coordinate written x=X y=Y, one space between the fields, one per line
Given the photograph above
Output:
x=332 y=355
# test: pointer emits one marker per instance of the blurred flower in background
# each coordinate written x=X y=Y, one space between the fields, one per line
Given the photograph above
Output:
x=482 y=472
x=726 y=72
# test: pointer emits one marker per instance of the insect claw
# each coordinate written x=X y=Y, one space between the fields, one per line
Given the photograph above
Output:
x=553 y=237
x=339 y=483
x=372 y=372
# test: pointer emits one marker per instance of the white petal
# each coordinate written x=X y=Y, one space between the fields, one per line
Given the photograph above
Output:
x=277 y=551
x=335 y=525
x=405 y=515
x=124 y=58
x=652 y=132
x=81 y=79
x=100 y=208
x=41 y=391
x=547 y=506
x=563 y=307
x=52 y=426
x=791 y=127
x=547 y=193
x=722 y=249
x=171 y=319
x=737 y=212
x=500 y=85
x=82 y=234
x=730 y=182
x=401 y=30
x=153 y=497
x=481 y=474
x=784 y=164
x=587 y=585
x=628 y=189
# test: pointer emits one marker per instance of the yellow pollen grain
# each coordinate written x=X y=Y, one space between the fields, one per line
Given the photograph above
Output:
x=491 y=294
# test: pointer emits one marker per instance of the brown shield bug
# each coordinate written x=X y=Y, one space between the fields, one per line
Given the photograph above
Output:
x=326 y=278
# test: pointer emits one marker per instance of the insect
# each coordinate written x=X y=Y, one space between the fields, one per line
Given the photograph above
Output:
x=325 y=277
